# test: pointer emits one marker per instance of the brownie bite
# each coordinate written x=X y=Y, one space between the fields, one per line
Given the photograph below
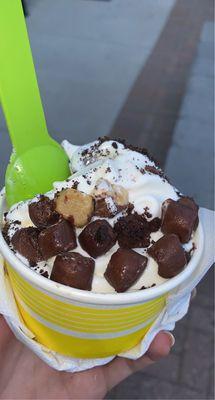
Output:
x=56 y=239
x=25 y=241
x=169 y=255
x=180 y=217
x=134 y=230
x=73 y=269
x=97 y=238
x=124 y=268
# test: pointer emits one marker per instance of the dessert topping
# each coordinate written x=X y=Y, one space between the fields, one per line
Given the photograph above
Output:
x=25 y=241
x=169 y=254
x=124 y=268
x=72 y=203
x=180 y=217
x=134 y=230
x=73 y=269
x=42 y=212
x=97 y=238
x=57 y=238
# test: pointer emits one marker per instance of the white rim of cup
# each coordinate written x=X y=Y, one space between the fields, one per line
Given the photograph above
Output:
x=88 y=297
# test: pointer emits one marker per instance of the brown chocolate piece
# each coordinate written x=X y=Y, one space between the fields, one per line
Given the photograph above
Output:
x=105 y=207
x=97 y=238
x=155 y=224
x=124 y=268
x=25 y=241
x=42 y=212
x=189 y=202
x=73 y=269
x=180 y=217
x=169 y=254
x=134 y=230
x=57 y=238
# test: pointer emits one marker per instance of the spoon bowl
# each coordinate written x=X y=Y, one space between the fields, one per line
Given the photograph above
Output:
x=35 y=171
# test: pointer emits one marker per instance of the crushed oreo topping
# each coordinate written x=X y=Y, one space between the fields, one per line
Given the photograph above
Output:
x=147 y=287
x=115 y=145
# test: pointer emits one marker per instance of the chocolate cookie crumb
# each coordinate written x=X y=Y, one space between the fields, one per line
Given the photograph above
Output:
x=115 y=145
x=75 y=185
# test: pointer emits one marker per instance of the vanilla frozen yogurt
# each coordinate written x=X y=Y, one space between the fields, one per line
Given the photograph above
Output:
x=115 y=225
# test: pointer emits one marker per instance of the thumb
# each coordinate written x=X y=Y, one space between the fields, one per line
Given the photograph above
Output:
x=120 y=368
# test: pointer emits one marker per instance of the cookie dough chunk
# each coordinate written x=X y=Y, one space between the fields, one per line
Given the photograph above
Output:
x=169 y=254
x=71 y=203
x=124 y=268
x=73 y=269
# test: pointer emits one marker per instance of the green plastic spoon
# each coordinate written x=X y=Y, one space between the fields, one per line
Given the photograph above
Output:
x=37 y=160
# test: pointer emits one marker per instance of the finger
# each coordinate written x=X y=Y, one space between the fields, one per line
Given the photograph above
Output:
x=120 y=368
x=5 y=333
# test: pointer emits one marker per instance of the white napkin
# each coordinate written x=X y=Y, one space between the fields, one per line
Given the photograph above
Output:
x=176 y=307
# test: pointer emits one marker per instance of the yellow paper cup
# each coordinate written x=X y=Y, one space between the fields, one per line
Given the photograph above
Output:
x=83 y=324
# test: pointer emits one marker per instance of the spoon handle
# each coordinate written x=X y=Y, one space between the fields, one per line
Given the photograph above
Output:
x=19 y=92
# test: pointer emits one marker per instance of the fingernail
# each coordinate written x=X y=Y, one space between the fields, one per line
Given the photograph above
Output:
x=172 y=338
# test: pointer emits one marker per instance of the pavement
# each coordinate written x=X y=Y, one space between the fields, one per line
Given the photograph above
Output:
x=188 y=373
x=101 y=67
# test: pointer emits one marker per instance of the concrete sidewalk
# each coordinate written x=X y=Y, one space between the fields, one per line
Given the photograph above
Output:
x=188 y=373
x=87 y=55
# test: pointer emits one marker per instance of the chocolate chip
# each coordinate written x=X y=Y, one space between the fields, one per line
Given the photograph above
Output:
x=180 y=217
x=169 y=254
x=124 y=268
x=25 y=241
x=57 y=238
x=73 y=269
x=97 y=238
x=42 y=212
x=105 y=207
x=133 y=231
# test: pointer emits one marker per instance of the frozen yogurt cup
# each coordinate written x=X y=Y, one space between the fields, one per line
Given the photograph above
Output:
x=98 y=321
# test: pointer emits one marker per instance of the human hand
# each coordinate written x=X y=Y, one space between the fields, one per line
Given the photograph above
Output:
x=24 y=376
